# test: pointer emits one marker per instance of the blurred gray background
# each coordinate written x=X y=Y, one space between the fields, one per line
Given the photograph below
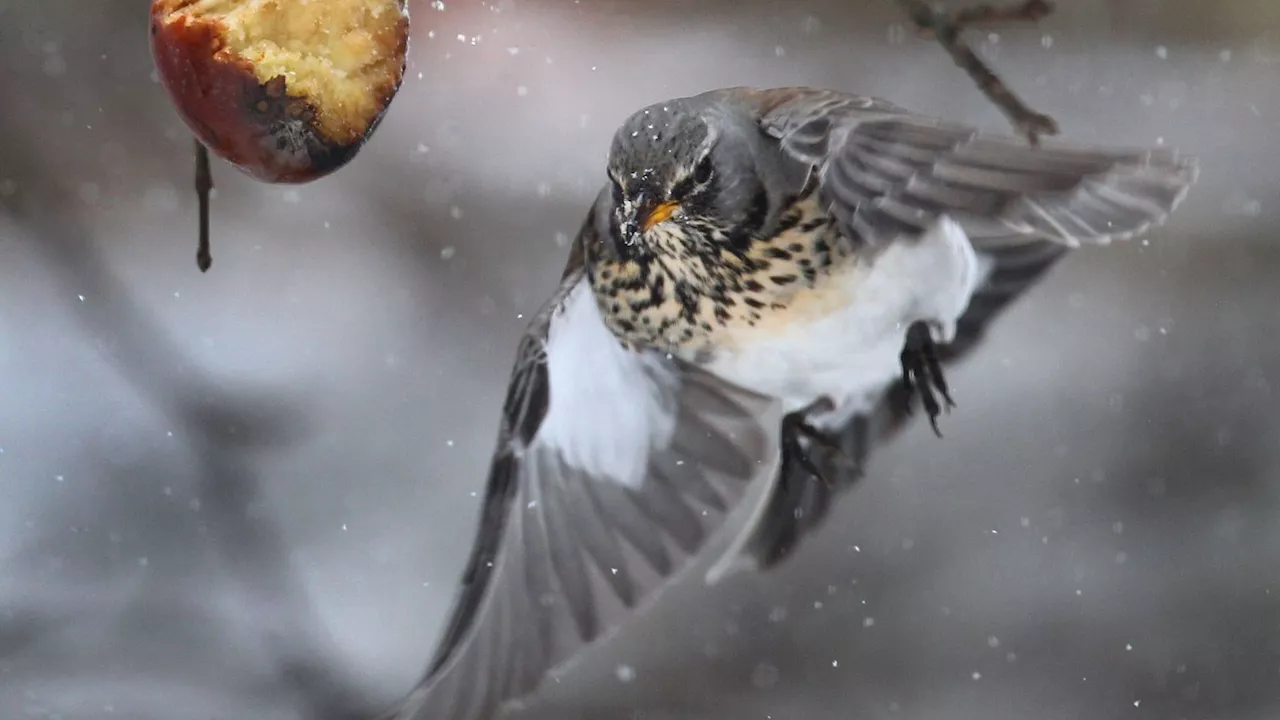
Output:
x=248 y=494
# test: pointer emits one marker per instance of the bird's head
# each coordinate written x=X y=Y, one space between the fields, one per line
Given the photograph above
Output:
x=678 y=166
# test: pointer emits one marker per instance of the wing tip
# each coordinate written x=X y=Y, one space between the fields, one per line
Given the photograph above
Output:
x=1149 y=189
x=1181 y=173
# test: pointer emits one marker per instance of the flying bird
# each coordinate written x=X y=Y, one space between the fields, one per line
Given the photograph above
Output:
x=766 y=284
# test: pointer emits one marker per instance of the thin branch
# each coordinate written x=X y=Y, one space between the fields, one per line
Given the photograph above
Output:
x=988 y=16
x=204 y=184
x=946 y=27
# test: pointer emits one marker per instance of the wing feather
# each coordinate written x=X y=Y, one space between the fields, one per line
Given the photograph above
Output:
x=890 y=173
x=573 y=534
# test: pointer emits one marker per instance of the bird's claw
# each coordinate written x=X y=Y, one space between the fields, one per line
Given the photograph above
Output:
x=922 y=373
x=795 y=427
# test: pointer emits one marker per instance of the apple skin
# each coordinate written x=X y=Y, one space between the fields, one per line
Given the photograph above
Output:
x=258 y=127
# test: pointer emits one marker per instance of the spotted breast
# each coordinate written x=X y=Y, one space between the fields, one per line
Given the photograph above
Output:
x=694 y=292
x=798 y=315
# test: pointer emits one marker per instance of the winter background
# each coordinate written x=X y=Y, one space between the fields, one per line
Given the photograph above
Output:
x=248 y=494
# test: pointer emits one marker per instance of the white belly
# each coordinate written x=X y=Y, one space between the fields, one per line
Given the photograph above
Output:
x=844 y=340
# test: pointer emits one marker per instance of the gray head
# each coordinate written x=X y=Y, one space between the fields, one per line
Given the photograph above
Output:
x=689 y=161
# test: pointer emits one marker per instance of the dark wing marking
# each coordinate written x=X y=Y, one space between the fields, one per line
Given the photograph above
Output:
x=566 y=548
x=888 y=173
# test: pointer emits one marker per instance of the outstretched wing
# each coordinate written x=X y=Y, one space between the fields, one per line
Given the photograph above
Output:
x=613 y=469
x=888 y=173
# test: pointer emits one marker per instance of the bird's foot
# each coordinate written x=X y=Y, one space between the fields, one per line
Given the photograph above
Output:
x=922 y=373
x=795 y=427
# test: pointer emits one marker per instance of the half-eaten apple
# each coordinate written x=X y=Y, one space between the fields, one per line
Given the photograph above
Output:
x=286 y=90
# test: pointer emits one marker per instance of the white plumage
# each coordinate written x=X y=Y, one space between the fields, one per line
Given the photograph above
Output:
x=850 y=351
x=585 y=363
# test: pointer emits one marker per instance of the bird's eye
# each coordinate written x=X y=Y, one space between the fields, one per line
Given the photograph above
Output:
x=616 y=188
x=702 y=173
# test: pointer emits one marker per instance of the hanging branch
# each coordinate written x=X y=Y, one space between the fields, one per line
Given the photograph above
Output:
x=204 y=184
x=946 y=27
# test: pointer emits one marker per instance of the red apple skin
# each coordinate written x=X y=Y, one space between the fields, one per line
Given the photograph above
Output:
x=257 y=127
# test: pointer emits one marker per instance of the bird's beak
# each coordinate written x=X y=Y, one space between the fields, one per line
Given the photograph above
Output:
x=636 y=219
x=651 y=215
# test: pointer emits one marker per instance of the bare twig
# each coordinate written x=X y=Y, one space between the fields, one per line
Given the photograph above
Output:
x=204 y=184
x=1031 y=11
x=989 y=16
x=946 y=28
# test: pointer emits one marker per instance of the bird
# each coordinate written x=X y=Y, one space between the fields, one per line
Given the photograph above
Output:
x=768 y=283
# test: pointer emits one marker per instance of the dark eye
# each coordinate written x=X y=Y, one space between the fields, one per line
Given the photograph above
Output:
x=616 y=189
x=702 y=173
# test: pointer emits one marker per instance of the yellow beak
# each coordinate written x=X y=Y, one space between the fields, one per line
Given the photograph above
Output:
x=660 y=213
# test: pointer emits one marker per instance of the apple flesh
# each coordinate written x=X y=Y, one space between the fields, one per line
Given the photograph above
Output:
x=286 y=90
